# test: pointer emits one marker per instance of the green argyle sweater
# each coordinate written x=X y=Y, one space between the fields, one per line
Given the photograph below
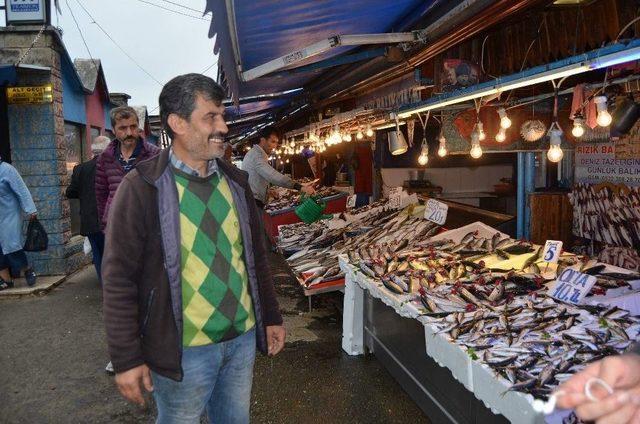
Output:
x=216 y=305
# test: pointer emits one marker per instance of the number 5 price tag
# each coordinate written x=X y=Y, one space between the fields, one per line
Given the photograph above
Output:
x=351 y=201
x=436 y=211
x=552 y=250
x=571 y=286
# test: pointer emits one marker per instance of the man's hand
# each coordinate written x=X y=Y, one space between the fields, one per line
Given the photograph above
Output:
x=622 y=374
x=275 y=338
x=308 y=189
x=128 y=383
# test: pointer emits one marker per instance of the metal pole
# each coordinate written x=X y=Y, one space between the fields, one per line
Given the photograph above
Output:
x=520 y=197
x=529 y=187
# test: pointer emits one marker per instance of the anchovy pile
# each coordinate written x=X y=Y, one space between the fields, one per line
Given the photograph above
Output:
x=317 y=247
x=533 y=341
x=605 y=216
x=498 y=314
x=284 y=199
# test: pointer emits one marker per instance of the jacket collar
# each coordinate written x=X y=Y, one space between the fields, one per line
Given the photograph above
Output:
x=152 y=169
x=110 y=151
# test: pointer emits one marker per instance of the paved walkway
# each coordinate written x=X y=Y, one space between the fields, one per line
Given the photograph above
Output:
x=53 y=353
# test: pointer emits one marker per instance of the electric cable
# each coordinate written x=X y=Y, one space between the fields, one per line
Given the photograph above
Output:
x=182 y=6
x=173 y=11
x=118 y=45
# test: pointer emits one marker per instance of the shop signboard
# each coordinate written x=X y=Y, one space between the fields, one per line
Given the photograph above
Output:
x=436 y=211
x=26 y=12
x=395 y=197
x=599 y=162
x=571 y=286
x=351 y=201
x=34 y=95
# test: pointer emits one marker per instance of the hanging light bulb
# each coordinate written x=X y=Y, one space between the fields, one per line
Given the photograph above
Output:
x=286 y=161
x=423 y=159
x=369 y=131
x=480 y=130
x=501 y=136
x=348 y=138
x=604 y=117
x=578 y=127
x=345 y=136
x=292 y=143
x=555 y=154
x=335 y=136
x=505 y=122
x=442 y=150
x=476 y=150
x=359 y=135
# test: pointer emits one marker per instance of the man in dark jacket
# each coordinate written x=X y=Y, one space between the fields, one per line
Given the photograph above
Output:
x=121 y=156
x=82 y=187
x=188 y=293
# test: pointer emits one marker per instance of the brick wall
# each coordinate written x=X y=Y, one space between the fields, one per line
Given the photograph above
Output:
x=36 y=134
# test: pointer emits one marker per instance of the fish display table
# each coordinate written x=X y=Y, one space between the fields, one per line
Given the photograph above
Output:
x=273 y=220
x=446 y=380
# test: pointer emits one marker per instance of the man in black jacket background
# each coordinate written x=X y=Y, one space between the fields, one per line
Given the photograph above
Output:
x=82 y=187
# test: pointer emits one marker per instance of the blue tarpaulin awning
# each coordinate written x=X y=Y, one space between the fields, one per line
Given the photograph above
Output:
x=251 y=33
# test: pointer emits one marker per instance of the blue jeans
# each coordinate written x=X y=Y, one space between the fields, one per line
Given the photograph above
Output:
x=97 y=249
x=217 y=378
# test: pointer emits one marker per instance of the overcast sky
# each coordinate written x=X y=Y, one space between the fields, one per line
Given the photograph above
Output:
x=166 y=44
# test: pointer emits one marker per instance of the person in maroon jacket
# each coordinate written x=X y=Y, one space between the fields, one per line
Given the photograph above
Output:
x=120 y=157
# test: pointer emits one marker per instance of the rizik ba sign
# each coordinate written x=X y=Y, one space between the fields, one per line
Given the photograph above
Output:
x=26 y=12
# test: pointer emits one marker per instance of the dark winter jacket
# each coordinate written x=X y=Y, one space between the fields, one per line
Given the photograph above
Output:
x=109 y=174
x=141 y=268
x=83 y=187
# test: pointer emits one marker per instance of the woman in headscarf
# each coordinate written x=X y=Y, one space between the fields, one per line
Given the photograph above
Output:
x=14 y=200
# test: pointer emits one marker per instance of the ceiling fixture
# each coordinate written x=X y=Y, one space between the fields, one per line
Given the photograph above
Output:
x=423 y=159
x=505 y=122
x=476 y=150
x=604 y=117
x=359 y=135
x=442 y=150
x=397 y=143
x=555 y=154
x=578 y=126
x=369 y=131
x=501 y=136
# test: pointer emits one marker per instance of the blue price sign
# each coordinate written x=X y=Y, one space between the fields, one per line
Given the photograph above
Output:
x=571 y=286
x=552 y=250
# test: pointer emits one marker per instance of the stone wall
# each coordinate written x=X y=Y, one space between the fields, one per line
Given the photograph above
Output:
x=36 y=134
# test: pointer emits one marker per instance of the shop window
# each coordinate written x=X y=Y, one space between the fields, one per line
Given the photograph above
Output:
x=73 y=137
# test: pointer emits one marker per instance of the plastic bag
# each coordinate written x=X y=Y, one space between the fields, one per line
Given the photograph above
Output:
x=37 y=239
x=86 y=246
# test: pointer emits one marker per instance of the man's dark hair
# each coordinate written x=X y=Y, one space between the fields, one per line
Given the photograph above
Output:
x=179 y=96
x=267 y=132
x=122 y=112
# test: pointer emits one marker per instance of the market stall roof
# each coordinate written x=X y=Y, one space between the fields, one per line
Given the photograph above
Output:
x=249 y=34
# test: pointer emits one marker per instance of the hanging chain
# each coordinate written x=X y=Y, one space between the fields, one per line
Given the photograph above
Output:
x=33 y=43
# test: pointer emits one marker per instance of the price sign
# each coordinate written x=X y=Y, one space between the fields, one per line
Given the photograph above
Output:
x=552 y=250
x=395 y=197
x=436 y=211
x=351 y=201
x=571 y=286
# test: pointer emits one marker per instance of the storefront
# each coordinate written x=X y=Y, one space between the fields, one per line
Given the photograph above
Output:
x=49 y=131
x=491 y=163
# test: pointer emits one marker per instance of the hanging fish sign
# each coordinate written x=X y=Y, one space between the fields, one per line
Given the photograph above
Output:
x=571 y=286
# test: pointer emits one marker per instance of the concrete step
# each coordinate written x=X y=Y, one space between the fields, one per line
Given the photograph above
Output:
x=44 y=284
